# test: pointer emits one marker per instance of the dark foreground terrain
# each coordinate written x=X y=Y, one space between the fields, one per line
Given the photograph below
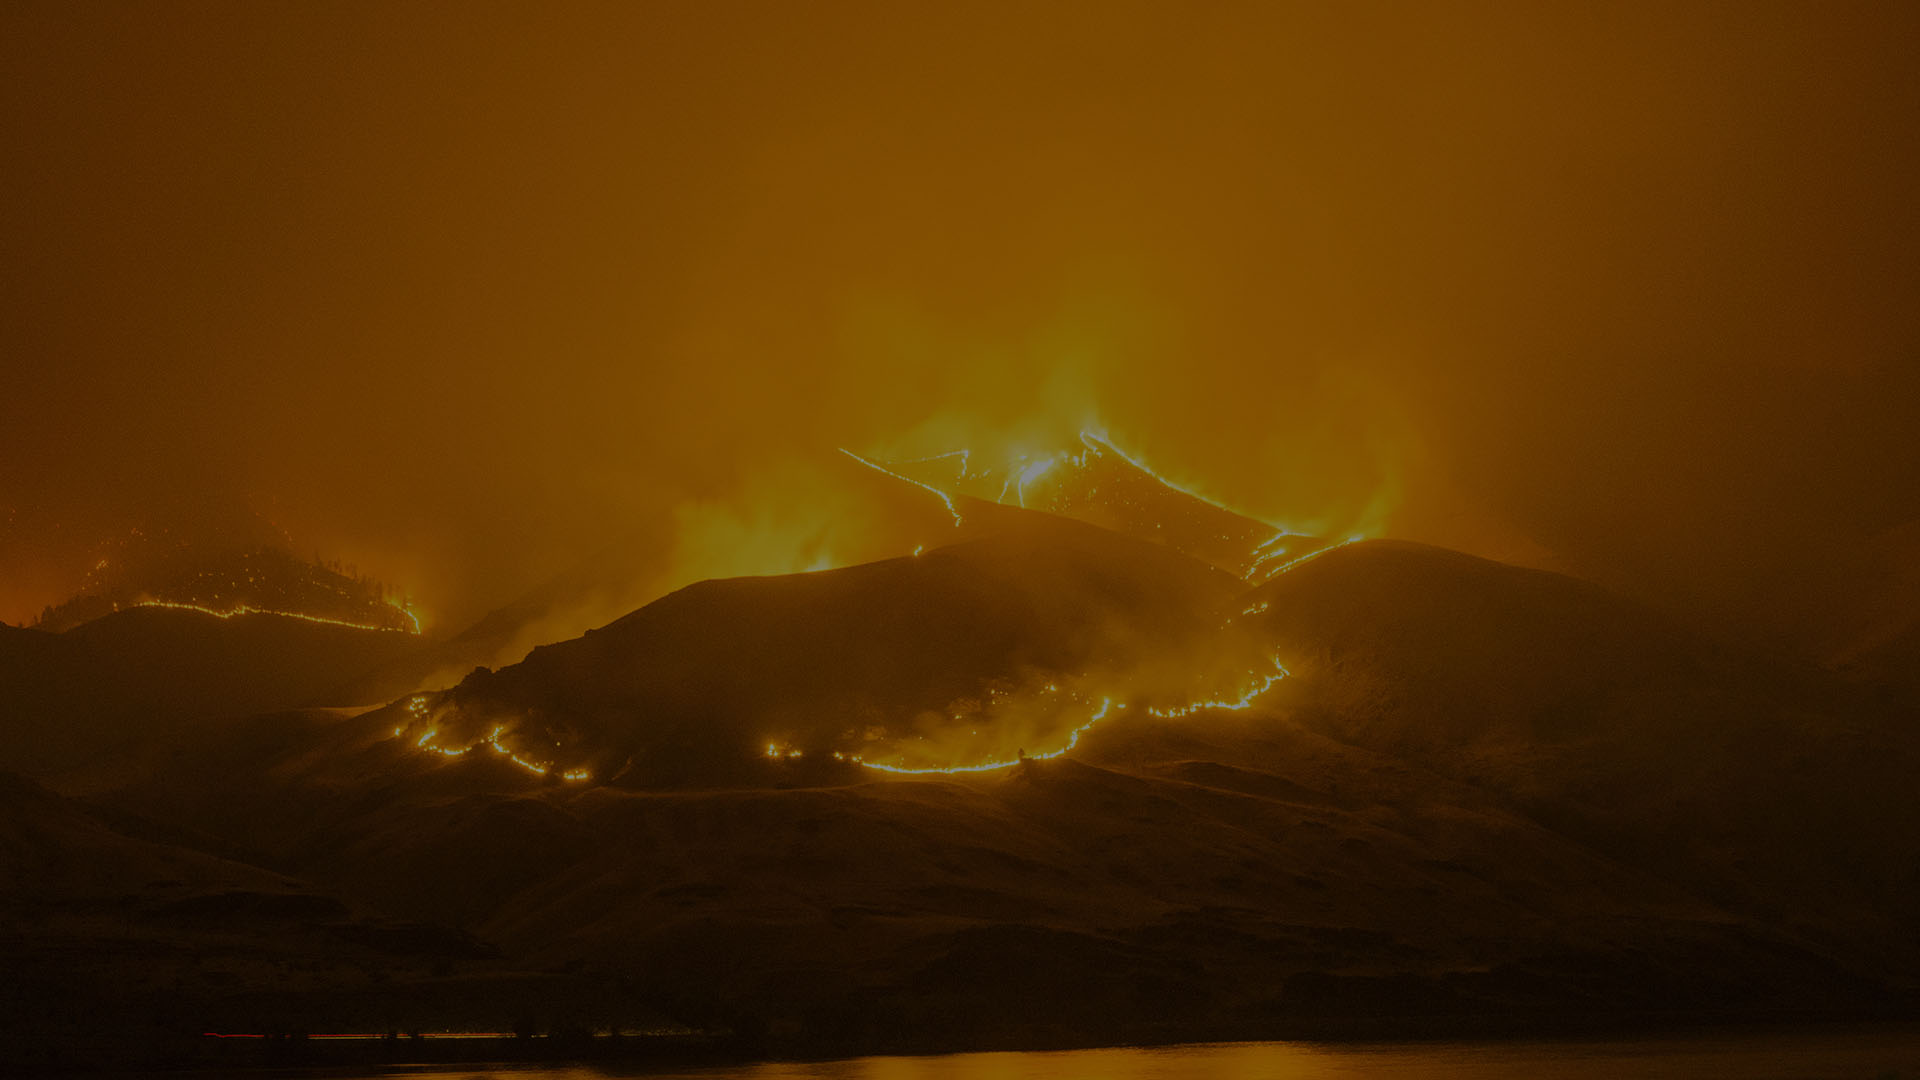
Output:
x=1485 y=800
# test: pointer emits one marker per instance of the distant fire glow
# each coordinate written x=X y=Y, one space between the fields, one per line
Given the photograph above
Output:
x=246 y=609
x=419 y=709
x=1257 y=684
x=945 y=498
x=1065 y=481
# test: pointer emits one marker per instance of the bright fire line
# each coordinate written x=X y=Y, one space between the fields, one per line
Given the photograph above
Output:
x=248 y=609
x=418 y=707
x=1022 y=471
x=1245 y=701
x=1310 y=556
x=944 y=497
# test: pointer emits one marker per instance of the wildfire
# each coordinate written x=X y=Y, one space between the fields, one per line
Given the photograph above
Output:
x=1099 y=445
x=1073 y=740
x=944 y=497
x=1261 y=685
x=1272 y=555
x=1019 y=475
x=418 y=707
x=1031 y=473
x=248 y=609
x=1260 y=682
x=1309 y=556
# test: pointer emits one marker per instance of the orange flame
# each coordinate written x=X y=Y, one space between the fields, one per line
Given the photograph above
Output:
x=1260 y=684
x=419 y=708
x=248 y=609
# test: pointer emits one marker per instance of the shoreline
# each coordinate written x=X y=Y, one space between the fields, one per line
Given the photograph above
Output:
x=319 y=1056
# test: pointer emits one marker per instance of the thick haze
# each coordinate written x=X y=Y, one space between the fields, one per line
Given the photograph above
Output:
x=461 y=292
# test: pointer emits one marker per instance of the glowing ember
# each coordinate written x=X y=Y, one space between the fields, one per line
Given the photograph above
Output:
x=1031 y=473
x=1309 y=556
x=943 y=496
x=418 y=707
x=1043 y=483
x=247 y=609
x=1260 y=684
x=1073 y=739
x=1244 y=701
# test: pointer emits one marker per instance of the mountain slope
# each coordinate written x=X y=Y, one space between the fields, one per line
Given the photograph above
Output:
x=1099 y=484
x=1769 y=785
x=1483 y=793
x=67 y=698
x=122 y=944
x=694 y=687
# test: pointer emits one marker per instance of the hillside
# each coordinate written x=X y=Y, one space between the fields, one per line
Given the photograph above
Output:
x=695 y=686
x=1097 y=483
x=140 y=673
x=223 y=578
x=1764 y=782
x=123 y=941
x=1484 y=792
x=862 y=515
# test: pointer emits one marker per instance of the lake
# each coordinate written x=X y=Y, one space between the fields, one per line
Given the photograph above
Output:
x=1879 y=1053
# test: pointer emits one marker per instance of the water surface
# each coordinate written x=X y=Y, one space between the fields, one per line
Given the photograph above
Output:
x=1839 y=1054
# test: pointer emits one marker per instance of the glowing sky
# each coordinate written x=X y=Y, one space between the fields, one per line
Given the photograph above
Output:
x=458 y=290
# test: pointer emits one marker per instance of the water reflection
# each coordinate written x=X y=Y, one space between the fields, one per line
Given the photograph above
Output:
x=1849 y=1054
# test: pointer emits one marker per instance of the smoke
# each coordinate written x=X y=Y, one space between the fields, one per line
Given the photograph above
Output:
x=468 y=298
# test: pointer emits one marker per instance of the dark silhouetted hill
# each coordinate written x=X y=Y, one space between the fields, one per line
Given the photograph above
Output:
x=121 y=945
x=1767 y=784
x=67 y=698
x=1488 y=798
x=693 y=687
x=226 y=579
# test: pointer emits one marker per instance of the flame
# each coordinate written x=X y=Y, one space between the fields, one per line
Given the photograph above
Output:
x=1099 y=444
x=405 y=608
x=1022 y=470
x=1308 y=557
x=248 y=609
x=1034 y=472
x=1268 y=551
x=418 y=706
x=1017 y=477
x=961 y=454
x=1244 y=701
x=944 y=497
x=1261 y=682
x=1073 y=740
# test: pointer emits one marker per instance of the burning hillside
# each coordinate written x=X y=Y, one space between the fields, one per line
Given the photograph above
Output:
x=226 y=583
x=1097 y=482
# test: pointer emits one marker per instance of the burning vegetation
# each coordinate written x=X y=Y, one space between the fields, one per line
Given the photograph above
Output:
x=263 y=580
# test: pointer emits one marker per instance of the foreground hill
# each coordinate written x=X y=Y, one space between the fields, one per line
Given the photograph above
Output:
x=136 y=674
x=1218 y=876
x=861 y=515
x=939 y=649
x=123 y=941
x=1486 y=796
x=1763 y=782
x=1859 y=613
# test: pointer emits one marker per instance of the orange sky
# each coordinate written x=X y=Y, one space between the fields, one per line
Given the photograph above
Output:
x=453 y=290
